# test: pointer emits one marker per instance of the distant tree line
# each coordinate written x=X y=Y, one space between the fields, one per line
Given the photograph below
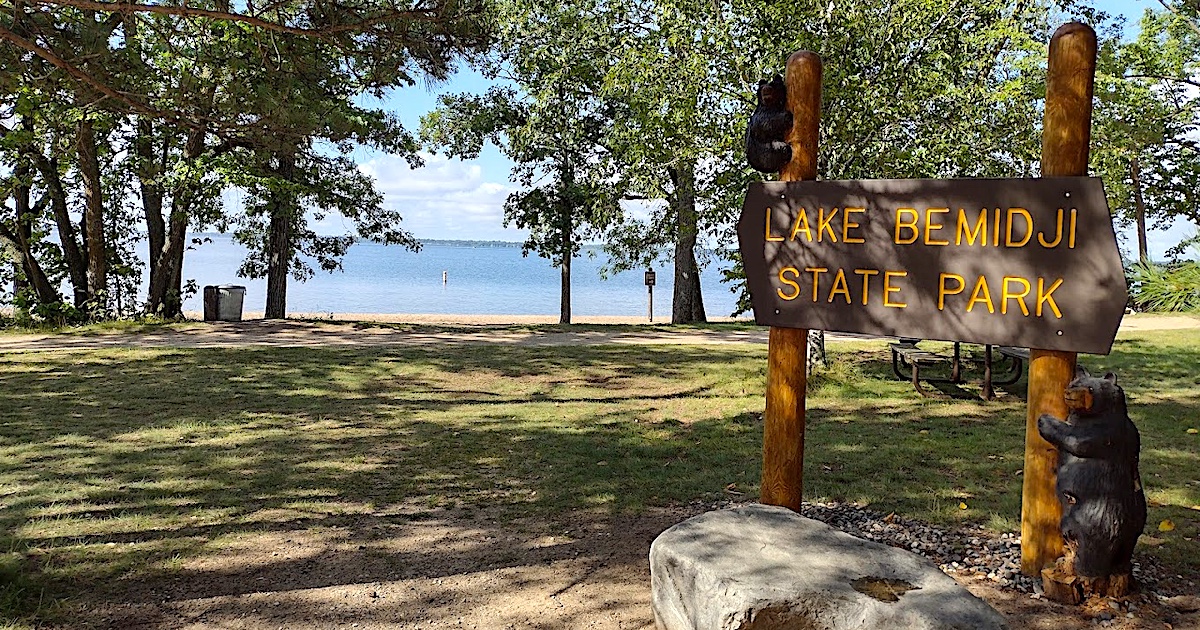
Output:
x=123 y=122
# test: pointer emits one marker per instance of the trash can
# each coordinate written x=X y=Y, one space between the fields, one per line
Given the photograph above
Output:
x=223 y=302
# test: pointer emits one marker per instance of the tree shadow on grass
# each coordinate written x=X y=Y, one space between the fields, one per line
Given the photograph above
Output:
x=129 y=469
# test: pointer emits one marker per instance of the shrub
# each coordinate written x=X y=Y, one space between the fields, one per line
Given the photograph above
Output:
x=1173 y=288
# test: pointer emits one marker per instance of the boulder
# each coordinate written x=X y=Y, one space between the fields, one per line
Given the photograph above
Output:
x=761 y=567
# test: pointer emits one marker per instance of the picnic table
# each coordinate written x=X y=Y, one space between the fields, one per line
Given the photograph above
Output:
x=916 y=361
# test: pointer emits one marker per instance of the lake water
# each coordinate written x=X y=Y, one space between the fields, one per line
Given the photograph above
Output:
x=480 y=280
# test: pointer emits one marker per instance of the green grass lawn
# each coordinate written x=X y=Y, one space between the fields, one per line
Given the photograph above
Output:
x=116 y=462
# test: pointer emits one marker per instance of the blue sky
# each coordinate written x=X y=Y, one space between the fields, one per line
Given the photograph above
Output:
x=454 y=199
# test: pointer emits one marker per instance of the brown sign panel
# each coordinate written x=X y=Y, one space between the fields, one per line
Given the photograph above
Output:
x=1022 y=262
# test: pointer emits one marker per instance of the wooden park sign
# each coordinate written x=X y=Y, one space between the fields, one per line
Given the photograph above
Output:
x=1018 y=262
x=1023 y=262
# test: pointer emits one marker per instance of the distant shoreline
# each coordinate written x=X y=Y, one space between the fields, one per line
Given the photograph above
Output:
x=472 y=320
x=1136 y=321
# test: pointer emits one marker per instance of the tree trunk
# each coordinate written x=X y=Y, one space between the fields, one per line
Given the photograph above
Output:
x=564 y=307
x=1139 y=209
x=687 y=302
x=165 y=295
x=148 y=174
x=75 y=259
x=22 y=234
x=34 y=274
x=93 y=196
x=29 y=271
x=816 y=350
x=567 y=232
x=279 y=246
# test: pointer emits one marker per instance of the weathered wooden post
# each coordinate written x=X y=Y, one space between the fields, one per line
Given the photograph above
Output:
x=1066 y=136
x=787 y=354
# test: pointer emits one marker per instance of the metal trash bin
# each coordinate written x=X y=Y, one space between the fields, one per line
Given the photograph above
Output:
x=223 y=302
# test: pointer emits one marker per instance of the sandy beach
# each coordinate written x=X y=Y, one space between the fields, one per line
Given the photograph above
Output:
x=1133 y=321
x=355 y=329
x=447 y=319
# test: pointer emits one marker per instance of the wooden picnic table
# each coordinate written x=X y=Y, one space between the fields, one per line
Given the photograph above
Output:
x=907 y=356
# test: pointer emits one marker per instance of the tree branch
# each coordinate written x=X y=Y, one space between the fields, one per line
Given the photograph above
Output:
x=1163 y=78
x=80 y=75
x=1181 y=16
x=422 y=15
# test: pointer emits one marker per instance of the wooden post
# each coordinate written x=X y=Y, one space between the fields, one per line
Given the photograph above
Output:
x=1066 y=136
x=787 y=354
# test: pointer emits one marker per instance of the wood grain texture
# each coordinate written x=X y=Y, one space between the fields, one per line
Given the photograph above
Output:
x=803 y=81
x=787 y=354
x=1066 y=138
x=1041 y=536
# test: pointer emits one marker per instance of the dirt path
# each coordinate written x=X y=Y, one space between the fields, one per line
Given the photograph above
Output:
x=459 y=569
x=294 y=333
x=424 y=330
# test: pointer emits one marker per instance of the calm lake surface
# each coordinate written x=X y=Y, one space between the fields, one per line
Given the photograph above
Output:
x=481 y=280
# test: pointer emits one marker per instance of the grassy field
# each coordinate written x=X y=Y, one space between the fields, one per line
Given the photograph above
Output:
x=116 y=462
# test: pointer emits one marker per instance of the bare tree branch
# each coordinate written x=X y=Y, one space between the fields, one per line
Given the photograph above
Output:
x=1160 y=77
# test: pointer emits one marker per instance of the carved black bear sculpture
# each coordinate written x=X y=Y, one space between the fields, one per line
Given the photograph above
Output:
x=1099 y=487
x=767 y=149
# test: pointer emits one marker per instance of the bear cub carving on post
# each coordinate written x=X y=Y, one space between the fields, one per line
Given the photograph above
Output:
x=767 y=149
x=1099 y=487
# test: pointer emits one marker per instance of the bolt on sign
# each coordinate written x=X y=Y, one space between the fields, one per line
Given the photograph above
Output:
x=1022 y=262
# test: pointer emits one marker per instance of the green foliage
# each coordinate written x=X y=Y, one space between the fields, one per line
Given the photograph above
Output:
x=550 y=118
x=911 y=89
x=32 y=313
x=1173 y=288
x=188 y=99
x=1146 y=129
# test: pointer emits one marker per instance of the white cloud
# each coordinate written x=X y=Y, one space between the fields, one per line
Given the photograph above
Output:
x=444 y=199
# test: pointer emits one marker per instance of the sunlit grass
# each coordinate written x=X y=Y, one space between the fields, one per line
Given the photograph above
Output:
x=126 y=463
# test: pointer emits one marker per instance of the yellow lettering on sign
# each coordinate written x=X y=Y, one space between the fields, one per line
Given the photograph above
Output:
x=888 y=289
x=981 y=293
x=840 y=280
x=1046 y=296
x=1008 y=233
x=1058 y=233
x=816 y=272
x=848 y=224
x=769 y=237
x=943 y=290
x=964 y=228
x=792 y=283
x=911 y=225
x=1071 y=234
x=930 y=226
x=823 y=224
x=866 y=276
x=1019 y=297
x=996 y=229
x=801 y=225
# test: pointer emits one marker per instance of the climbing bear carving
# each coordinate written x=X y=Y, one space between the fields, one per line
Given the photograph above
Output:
x=1104 y=509
x=767 y=149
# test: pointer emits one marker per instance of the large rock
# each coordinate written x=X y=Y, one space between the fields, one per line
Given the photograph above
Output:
x=767 y=568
